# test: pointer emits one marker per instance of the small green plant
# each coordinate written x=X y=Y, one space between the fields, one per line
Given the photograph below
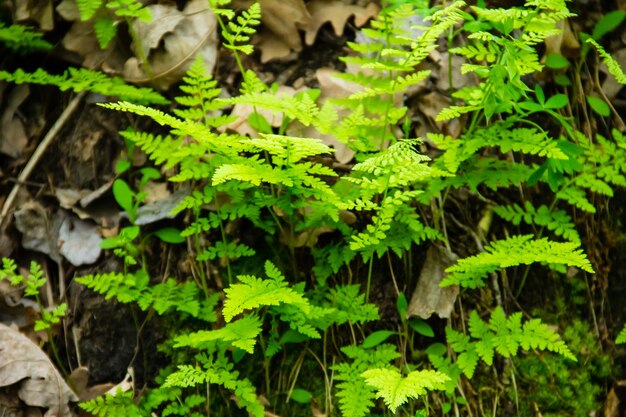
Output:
x=31 y=285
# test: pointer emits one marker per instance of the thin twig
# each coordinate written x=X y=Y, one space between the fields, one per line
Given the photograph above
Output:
x=34 y=159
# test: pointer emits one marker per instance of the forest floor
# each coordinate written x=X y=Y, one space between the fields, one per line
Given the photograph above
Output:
x=65 y=206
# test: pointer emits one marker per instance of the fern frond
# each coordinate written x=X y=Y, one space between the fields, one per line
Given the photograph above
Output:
x=119 y=405
x=621 y=337
x=105 y=30
x=82 y=79
x=395 y=389
x=22 y=39
x=576 y=197
x=356 y=397
x=610 y=62
x=516 y=250
x=241 y=333
x=350 y=305
x=237 y=35
x=504 y=335
x=87 y=8
x=255 y=292
x=218 y=371
x=557 y=221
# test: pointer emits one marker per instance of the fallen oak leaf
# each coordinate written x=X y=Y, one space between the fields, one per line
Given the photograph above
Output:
x=39 y=383
x=337 y=12
x=282 y=18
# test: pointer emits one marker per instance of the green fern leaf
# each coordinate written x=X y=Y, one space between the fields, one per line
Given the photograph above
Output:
x=517 y=250
x=87 y=8
x=119 y=405
x=254 y=292
x=86 y=80
x=557 y=221
x=610 y=62
x=22 y=39
x=356 y=397
x=504 y=335
x=105 y=30
x=241 y=333
x=395 y=390
x=621 y=337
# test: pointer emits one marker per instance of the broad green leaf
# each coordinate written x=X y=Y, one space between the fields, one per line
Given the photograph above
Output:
x=110 y=242
x=609 y=22
x=556 y=61
x=562 y=80
x=259 y=123
x=377 y=338
x=293 y=336
x=402 y=306
x=169 y=235
x=123 y=195
x=599 y=106
x=421 y=327
x=301 y=396
x=122 y=166
x=437 y=349
x=557 y=101
x=149 y=173
x=621 y=337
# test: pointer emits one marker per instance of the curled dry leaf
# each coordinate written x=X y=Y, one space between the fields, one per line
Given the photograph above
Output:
x=61 y=234
x=429 y=297
x=171 y=41
x=13 y=138
x=39 y=384
x=281 y=38
x=40 y=11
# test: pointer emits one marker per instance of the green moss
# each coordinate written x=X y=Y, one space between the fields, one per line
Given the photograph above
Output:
x=558 y=387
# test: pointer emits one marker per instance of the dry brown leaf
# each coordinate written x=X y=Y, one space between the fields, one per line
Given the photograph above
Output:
x=13 y=138
x=81 y=39
x=283 y=17
x=337 y=12
x=22 y=363
x=184 y=36
x=35 y=10
x=565 y=43
x=79 y=379
x=60 y=234
x=429 y=297
x=271 y=47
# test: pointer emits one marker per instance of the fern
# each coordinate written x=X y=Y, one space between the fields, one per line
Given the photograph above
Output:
x=610 y=62
x=388 y=173
x=21 y=39
x=240 y=333
x=119 y=405
x=557 y=221
x=350 y=305
x=164 y=297
x=88 y=8
x=105 y=30
x=621 y=337
x=517 y=250
x=237 y=34
x=355 y=395
x=255 y=292
x=217 y=369
x=82 y=79
x=504 y=335
x=395 y=389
